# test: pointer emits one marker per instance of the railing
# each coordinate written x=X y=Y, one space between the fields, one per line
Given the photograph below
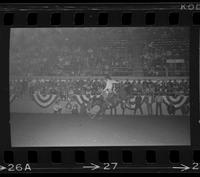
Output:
x=125 y=74
x=96 y=77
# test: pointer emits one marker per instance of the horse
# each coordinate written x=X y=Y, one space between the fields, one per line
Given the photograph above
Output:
x=97 y=101
x=110 y=102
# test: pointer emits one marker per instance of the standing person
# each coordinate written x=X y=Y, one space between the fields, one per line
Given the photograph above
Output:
x=185 y=109
x=57 y=107
x=75 y=109
x=108 y=88
x=171 y=109
x=149 y=101
x=159 y=101
x=109 y=84
x=138 y=104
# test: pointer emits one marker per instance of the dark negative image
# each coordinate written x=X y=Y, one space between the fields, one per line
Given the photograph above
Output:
x=109 y=86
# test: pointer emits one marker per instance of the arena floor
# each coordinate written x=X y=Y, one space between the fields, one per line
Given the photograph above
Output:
x=29 y=130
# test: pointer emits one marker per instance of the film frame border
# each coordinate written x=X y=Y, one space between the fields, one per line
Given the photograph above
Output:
x=149 y=157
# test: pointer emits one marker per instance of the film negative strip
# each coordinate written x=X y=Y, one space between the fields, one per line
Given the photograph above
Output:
x=100 y=88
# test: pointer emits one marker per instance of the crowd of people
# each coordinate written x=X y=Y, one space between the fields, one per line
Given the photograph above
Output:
x=170 y=58
x=95 y=52
x=63 y=87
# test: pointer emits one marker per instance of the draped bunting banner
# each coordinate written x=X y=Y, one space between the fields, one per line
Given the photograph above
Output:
x=12 y=93
x=177 y=101
x=12 y=97
x=44 y=100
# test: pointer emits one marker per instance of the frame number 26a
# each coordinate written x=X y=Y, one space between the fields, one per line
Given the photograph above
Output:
x=18 y=167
